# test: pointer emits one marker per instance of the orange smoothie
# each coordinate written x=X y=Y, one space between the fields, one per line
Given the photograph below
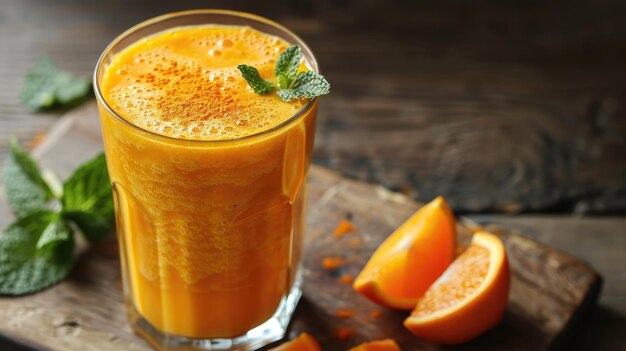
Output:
x=208 y=177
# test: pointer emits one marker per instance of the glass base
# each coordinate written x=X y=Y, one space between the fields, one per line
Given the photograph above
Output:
x=272 y=330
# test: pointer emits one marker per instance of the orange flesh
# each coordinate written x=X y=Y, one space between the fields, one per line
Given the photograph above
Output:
x=411 y=258
x=210 y=233
x=469 y=298
x=470 y=268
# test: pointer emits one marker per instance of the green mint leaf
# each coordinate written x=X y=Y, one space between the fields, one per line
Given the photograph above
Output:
x=25 y=189
x=307 y=85
x=23 y=267
x=54 y=184
x=283 y=81
x=258 y=84
x=46 y=86
x=93 y=225
x=287 y=65
x=56 y=231
x=87 y=198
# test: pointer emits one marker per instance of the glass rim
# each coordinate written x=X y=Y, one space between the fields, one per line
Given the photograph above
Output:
x=144 y=24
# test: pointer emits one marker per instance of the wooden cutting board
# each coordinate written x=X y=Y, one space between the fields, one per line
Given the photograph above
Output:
x=550 y=292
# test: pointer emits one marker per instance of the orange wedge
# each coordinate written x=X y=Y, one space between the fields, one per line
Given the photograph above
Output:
x=378 y=345
x=469 y=298
x=411 y=258
x=304 y=342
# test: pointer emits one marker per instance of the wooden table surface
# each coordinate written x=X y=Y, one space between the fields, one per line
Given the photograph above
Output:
x=501 y=108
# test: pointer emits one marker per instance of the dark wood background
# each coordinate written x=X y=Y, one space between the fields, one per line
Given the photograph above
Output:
x=515 y=106
x=500 y=106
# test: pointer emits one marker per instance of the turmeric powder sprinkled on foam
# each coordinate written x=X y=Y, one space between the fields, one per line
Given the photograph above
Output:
x=192 y=89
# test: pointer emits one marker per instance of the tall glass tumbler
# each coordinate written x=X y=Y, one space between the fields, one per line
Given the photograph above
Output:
x=210 y=232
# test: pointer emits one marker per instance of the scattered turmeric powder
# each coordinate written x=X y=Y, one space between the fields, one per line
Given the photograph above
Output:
x=343 y=333
x=344 y=227
x=332 y=263
x=37 y=139
x=376 y=314
x=344 y=313
x=346 y=279
x=355 y=241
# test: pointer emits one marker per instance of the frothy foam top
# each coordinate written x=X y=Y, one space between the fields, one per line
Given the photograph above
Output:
x=184 y=83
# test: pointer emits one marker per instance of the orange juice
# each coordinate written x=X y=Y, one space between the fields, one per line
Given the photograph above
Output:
x=208 y=177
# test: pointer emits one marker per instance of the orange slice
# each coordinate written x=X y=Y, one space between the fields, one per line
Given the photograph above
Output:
x=304 y=342
x=469 y=298
x=411 y=258
x=378 y=345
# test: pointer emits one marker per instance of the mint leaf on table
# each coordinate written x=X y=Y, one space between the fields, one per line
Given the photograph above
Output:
x=306 y=85
x=291 y=84
x=258 y=84
x=46 y=86
x=27 y=268
x=24 y=187
x=87 y=198
x=93 y=226
x=37 y=250
x=287 y=66
x=56 y=231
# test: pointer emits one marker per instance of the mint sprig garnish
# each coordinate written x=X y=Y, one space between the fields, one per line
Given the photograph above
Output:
x=37 y=250
x=46 y=86
x=291 y=84
x=307 y=85
x=287 y=65
x=258 y=84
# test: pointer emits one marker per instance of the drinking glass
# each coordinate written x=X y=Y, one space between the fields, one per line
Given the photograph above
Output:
x=210 y=232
